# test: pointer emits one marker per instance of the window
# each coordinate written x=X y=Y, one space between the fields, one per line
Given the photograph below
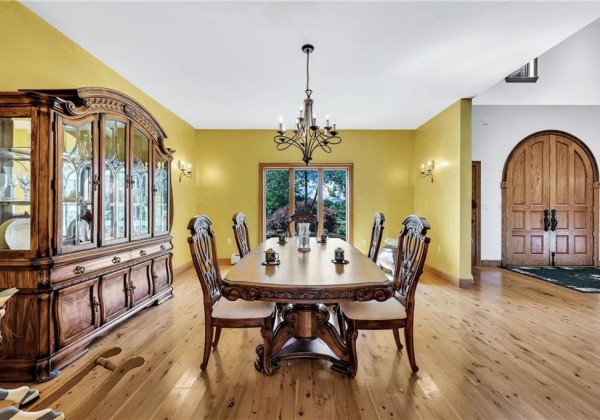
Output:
x=322 y=190
x=526 y=74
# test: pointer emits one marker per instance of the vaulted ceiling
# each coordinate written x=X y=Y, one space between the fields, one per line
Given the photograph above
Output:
x=376 y=65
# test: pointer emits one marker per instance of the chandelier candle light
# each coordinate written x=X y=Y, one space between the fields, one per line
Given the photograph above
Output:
x=307 y=136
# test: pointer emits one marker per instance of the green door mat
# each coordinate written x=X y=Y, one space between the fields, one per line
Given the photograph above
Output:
x=582 y=279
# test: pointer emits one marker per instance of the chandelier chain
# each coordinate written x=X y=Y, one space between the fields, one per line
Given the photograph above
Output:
x=307 y=74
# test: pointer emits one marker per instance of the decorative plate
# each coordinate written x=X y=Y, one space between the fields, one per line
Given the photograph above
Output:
x=18 y=234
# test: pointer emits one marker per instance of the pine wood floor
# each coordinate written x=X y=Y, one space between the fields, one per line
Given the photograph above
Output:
x=512 y=347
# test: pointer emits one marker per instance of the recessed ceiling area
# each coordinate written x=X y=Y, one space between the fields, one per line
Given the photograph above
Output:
x=376 y=65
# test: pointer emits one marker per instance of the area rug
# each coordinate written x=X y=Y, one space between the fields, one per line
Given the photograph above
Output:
x=582 y=279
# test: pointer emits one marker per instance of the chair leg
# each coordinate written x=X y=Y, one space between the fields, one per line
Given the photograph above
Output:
x=410 y=347
x=351 y=336
x=208 y=333
x=397 y=338
x=217 y=336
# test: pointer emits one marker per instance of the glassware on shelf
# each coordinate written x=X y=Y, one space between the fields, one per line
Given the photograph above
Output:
x=24 y=180
x=11 y=181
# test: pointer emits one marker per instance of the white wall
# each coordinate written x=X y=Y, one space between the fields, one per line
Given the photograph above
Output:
x=496 y=131
x=568 y=75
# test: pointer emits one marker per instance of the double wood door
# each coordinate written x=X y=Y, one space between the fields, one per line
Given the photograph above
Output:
x=548 y=202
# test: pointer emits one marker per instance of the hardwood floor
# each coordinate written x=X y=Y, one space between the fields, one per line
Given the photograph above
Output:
x=511 y=347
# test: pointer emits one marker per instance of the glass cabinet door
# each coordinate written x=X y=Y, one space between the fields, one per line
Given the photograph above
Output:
x=140 y=196
x=113 y=183
x=161 y=195
x=15 y=183
x=77 y=198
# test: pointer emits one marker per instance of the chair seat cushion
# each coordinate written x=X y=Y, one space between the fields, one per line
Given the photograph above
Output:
x=242 y=309
x=374 y=310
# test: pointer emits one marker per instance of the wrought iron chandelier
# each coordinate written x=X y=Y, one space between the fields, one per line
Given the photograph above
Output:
x=307 y=136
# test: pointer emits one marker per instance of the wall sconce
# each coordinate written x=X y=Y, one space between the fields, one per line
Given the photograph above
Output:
x=427 y=171
x=185 y=172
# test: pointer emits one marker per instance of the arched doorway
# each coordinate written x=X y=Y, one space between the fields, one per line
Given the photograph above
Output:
x=549 y=202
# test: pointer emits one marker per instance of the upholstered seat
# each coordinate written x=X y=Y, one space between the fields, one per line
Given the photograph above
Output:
x=219 y=312
x=241 y=309
x=374 y=310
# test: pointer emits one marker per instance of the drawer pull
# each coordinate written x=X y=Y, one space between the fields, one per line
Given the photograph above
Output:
x=142 y=252
x=79 y=269
x=116 y=260
x=162 y=247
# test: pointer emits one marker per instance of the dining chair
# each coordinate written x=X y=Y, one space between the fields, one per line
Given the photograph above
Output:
x=398 y=311
x=220 y=312
x=240 y=231
x=303 y=217
x=376 y=235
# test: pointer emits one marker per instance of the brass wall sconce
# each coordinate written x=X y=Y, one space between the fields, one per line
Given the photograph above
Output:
x=427 y=171
x=185 y=172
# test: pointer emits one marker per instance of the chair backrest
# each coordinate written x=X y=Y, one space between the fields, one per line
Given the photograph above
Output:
x=376 y=235
x=412 y=251
x=302 y=217
x=240 y=231
x=204 y=255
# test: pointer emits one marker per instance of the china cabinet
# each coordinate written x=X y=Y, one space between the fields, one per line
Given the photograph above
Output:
x=85 y=219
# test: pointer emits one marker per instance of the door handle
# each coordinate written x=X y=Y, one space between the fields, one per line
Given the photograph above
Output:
x=553 y=221
x=546 y=220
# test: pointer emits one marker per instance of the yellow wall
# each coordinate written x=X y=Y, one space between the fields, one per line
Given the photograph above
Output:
x=446 y=202
x=225 y=162
x=228 y=180
x=35 y=55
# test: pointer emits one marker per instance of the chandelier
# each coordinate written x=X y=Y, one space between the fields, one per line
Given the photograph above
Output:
x=307 y=136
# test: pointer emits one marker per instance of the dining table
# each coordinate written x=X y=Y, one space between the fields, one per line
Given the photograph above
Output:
x=306 y=285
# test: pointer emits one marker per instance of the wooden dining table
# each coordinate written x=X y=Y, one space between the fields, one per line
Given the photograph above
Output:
x=304 y=282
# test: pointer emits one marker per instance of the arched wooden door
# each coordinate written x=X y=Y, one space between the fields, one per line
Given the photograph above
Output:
x=549 y=196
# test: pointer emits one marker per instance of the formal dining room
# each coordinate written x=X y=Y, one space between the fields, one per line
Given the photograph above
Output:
x=299 y=209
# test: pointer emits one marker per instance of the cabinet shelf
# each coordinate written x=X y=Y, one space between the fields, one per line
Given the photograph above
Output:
x=4 y=202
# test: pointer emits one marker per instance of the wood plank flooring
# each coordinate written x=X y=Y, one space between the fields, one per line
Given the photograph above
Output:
x=511 y=347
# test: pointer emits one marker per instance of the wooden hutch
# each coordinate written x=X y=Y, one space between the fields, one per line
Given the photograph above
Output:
x=85 y=219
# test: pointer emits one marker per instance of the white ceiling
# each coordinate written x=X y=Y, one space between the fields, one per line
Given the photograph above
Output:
x=376 y=65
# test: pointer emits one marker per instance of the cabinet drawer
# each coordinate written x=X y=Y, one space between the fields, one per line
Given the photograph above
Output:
x=83 y=267
x=150 y=249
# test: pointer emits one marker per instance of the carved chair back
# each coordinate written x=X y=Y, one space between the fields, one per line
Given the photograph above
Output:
x=376 y=235
x=413 y=244
x=204 y=255
x=303 y=217
x=240 y=231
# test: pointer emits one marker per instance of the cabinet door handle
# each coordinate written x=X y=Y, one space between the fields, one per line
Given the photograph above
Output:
x=79 y=269
x=142 y=252
x=162 y=247
x=96 y=303
x=116 y=260
x=154 y=276
x=96 y=182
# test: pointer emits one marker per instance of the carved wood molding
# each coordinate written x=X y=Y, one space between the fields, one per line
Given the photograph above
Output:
x=254 y=293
